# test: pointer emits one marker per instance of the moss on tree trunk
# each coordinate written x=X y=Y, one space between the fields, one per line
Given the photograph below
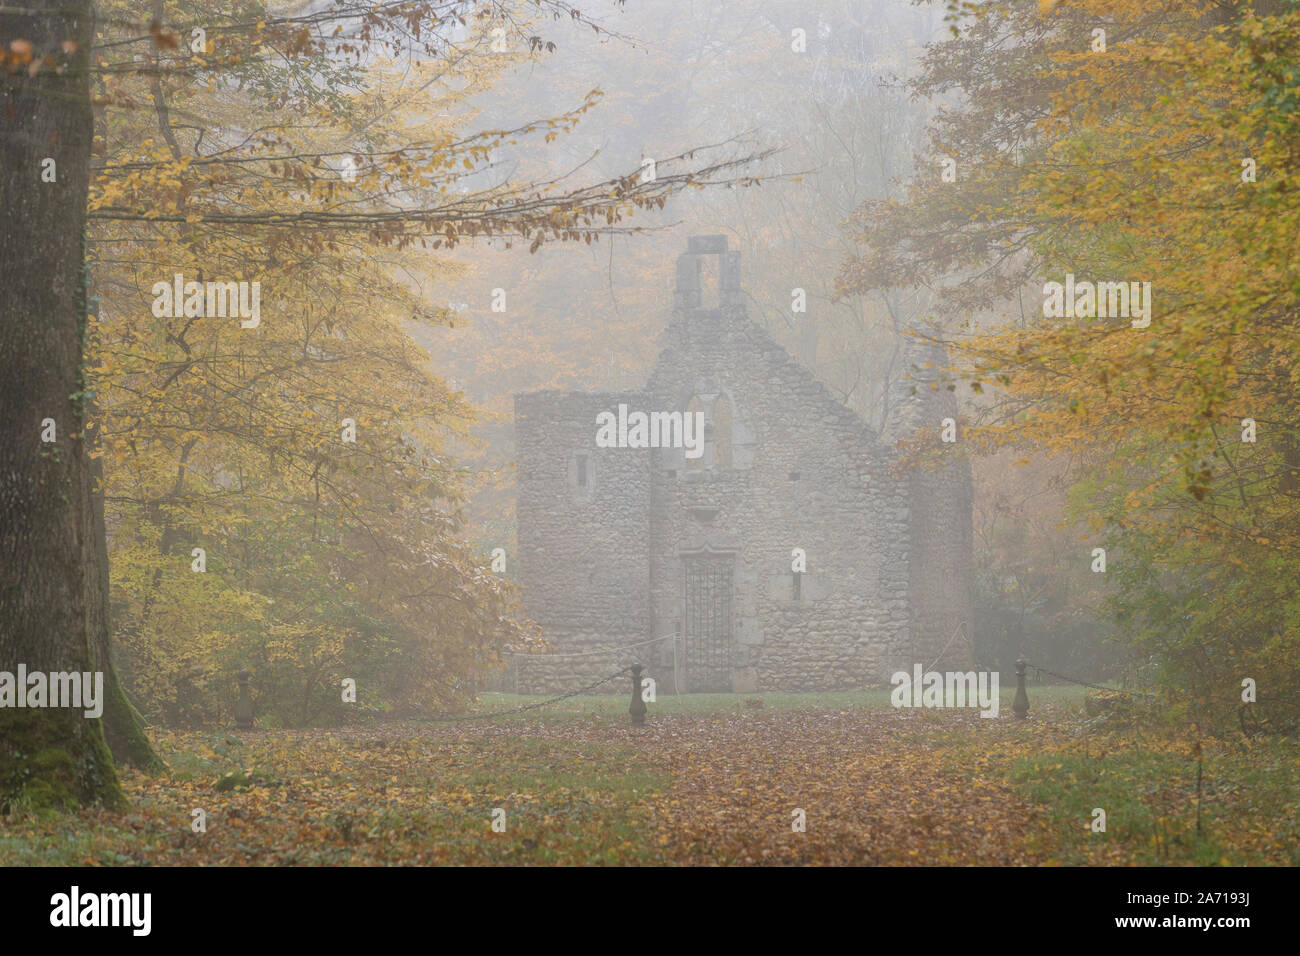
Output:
x=54 y=759
x=124 y=729
x=123 y=725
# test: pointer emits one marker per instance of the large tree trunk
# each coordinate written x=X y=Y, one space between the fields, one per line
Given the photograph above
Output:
x=53 y=611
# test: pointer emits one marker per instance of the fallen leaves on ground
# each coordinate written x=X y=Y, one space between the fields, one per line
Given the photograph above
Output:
x=876 y=788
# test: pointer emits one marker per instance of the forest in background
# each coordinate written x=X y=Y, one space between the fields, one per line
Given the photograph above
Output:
x=317 y=497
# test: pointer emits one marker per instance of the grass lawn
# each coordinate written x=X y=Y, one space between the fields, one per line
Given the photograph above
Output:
x=616 y=705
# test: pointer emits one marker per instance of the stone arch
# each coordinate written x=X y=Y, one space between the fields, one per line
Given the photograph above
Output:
x=728 y=441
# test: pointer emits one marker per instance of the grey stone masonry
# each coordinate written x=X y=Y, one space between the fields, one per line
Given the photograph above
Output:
x=785 y=550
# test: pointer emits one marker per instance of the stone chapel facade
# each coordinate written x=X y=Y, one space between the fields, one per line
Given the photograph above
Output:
x=686 y=565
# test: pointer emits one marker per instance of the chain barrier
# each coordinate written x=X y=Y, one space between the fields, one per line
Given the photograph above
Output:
x=1253 y=718
x=596 y=653
x=960 y=628
x=1038 y=670
x=462 y=718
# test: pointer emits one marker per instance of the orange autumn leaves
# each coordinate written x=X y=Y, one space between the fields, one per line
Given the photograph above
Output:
x=1162 y=151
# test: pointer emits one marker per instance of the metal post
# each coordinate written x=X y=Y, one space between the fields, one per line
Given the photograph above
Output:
x=244 y=706
x=1021 y=703
x=677 y=681
x=637 y=708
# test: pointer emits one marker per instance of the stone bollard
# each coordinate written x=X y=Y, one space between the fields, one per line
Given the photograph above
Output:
x=1021 y=704
x=637 y=708
x=244 y=706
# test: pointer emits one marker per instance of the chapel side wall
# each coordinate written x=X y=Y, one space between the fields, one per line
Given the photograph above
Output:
x=940 y=535
x=583 y=554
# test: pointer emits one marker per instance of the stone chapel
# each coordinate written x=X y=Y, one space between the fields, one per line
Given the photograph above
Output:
x=788 y=552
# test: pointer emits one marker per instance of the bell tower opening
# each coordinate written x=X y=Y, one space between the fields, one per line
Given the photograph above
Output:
x=708 y=276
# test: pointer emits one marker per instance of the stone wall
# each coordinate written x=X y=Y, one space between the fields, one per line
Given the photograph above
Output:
x=584 y=566
x=940 y=536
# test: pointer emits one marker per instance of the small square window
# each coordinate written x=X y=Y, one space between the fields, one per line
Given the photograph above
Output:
x=794 y=476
